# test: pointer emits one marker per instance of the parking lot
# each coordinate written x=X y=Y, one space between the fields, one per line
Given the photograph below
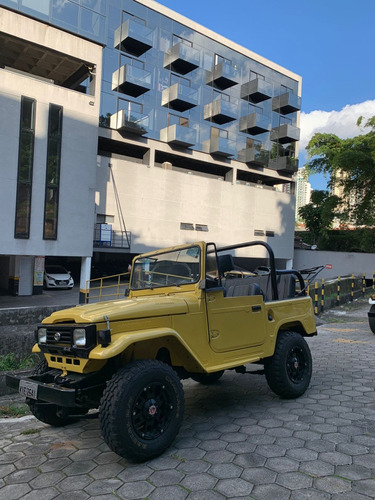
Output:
x=238 y=439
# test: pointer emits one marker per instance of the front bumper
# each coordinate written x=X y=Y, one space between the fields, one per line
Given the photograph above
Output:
x=50 y=393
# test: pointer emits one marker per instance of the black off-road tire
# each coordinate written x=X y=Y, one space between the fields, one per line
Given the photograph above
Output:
x=207 y=378
x=48 y=413
x=141 y=410
x=288 y=371
x=371 y=320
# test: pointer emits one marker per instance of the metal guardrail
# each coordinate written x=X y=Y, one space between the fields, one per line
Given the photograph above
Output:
x=118 y=239
x=107 y=288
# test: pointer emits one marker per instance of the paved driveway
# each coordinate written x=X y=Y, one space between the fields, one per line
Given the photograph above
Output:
x=238 y=440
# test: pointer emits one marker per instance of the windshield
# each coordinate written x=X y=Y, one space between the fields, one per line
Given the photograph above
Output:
x=180 y=267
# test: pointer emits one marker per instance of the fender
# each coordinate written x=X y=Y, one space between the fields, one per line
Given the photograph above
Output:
x=121 y=341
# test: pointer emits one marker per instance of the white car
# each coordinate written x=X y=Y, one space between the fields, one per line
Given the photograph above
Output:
x=371 y=314
x=57 y=277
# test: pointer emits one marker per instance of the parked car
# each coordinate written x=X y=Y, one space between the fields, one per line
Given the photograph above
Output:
x=371 y=313
x=57 y=277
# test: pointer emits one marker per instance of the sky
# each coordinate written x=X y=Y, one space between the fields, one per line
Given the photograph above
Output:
x=330 y=43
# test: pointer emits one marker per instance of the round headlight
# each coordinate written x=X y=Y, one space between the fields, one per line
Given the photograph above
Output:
x=42 y=335
x=79 y=337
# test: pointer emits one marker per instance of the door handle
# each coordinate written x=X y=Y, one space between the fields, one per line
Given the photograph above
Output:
x=256 y=308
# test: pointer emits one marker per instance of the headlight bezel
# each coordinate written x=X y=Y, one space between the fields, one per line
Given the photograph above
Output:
x=79 y=337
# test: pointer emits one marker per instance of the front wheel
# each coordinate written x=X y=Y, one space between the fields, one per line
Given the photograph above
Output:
x=371 y=319
x=288 y=371
x=141 y=410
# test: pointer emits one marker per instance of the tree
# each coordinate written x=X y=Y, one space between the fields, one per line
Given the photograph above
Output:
x=318 y=215
x=354 y=159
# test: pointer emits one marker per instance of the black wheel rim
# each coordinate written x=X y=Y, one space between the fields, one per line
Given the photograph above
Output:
x=296 y=364
x=152 y=410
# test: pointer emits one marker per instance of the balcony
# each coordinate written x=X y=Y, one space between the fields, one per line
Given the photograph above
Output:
x=286 y=103
x=130 y=121
x=220 y=111
x=255 y=123
x=254 y=156
x=179 y=97
x=256 y=90
x=220 y=147
x=133 y=38
x=131 y=80
x=284 y=164
x=177 y=135
x=222 y=76
x=285 y=133
x=181 y=58
x=110 y=237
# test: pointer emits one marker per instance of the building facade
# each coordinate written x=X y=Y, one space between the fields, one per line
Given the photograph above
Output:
x=196 y=135
x=303 y=190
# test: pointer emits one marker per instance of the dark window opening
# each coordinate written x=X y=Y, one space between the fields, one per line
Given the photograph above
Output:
x=51 y=203
x=25 y=168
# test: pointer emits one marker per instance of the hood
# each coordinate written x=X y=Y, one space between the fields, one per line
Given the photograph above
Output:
x=140 y=307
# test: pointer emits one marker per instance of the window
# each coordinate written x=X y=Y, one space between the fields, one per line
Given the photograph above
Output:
x=187 y=226
x=177 y=120
x=255 y=109
x=132 y=61
x=178 y=39
x=256 y=76
x=218 y=132
x=220 y=95
x=51 y=203
x=258 y=232
x=128 y=15
x=221 y=59
x=201 y=227
x=25 y=168
x=130 y=106
x=285 y=120
x=179 y=79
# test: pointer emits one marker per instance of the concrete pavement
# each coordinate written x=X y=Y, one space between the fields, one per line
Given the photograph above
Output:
x=238 y=439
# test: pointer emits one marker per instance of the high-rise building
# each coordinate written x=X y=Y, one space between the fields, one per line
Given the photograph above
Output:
x=139 y=128
x=303 y=190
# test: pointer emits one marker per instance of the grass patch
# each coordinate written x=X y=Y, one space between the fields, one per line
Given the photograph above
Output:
x=30 y=431
x=14 y=411
x=10 y=362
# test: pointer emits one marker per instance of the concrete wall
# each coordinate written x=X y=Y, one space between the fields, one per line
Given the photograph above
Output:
x=79 y=144
x=343 y=263
x=155 y=201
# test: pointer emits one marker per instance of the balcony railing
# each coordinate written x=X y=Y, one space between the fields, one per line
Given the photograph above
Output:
x=179 y=97
x=254 y=156
x=220 y=111
x=131 y=80
x=178 y=135
x=286 y=164
x=256 y=90
x=285 y=133
x=181 y=58
x=133 y=37
x=220 y=146
x=129 y=121
x=286 y=103
x=113 y=239
x=222 y=76
x=255 y=123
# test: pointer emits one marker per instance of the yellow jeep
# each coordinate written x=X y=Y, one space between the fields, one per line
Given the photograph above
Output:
x=189 y=312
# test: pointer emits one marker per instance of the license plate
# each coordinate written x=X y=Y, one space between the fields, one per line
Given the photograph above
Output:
x=28 y=389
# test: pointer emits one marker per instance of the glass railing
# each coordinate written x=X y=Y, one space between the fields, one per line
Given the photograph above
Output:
x=255 y=120
x=130 y=121
x=138 y=75
x=178 y=134
x=184 y=92
x=222 y=146
x=138 y=31
x=186 y=53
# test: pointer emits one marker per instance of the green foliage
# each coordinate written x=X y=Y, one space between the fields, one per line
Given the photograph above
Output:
x=10 y=362
x=355 y=158
x=318 y=215
x=14 y=411
x=357 y=240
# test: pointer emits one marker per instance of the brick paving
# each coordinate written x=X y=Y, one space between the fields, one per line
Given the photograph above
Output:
x=238 y=439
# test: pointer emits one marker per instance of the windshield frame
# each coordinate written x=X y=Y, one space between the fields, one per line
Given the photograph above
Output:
x=173 y=267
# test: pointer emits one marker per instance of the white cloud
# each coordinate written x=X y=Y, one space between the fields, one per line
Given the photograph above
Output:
x=342 y=123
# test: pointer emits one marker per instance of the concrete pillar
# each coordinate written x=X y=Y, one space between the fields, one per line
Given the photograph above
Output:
x=289 y=264
x=84 y=286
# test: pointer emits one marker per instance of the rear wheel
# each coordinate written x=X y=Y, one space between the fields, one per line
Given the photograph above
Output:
x=371 y=320
x=288 y=371
x=207 y=378
x=141 y=410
